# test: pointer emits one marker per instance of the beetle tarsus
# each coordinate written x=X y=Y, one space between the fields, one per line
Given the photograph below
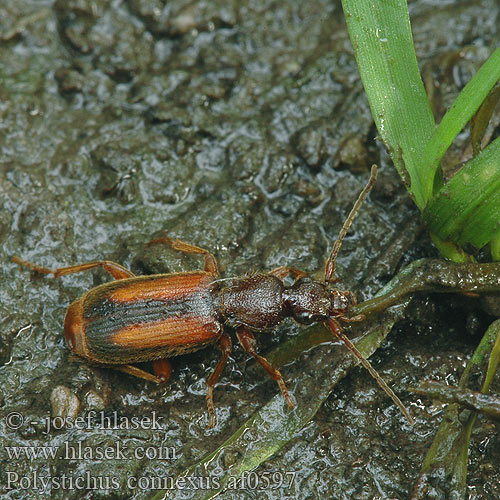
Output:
x=211 y=265
x=138 y=372
x=117 y=271
x=225 y=346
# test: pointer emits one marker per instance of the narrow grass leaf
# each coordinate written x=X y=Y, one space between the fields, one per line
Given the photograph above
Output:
x=381 y=37
x=467 y=208
x=462 y=110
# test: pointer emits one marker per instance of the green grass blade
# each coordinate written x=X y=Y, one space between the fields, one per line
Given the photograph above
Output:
x=479 y=122
x=467 y=209
x=466 y=104
x=495 y=246
x=381 y=36
x=493 y=363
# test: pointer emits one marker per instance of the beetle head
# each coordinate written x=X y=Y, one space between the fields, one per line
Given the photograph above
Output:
x=312 y=301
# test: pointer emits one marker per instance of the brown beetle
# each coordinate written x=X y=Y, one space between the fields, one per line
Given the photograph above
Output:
x=141 y=318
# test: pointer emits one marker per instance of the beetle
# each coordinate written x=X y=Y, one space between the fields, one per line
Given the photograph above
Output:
x=155 y=317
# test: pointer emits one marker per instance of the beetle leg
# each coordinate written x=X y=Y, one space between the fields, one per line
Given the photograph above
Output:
x=247 y=341
x=138 y=372
x=225 y=345
x=118 y=272
x=211 y=265
x=283 y=271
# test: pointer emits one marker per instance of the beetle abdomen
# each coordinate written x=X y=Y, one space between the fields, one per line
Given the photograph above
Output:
x=144 y=318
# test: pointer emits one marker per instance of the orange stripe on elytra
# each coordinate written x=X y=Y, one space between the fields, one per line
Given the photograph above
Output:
x=169 y=332
x=167 y=287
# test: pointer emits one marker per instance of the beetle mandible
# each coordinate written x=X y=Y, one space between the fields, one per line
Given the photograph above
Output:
x=155 y=317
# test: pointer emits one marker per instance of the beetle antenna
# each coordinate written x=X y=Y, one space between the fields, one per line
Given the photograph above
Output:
x=336 y=329
x=330 y=263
